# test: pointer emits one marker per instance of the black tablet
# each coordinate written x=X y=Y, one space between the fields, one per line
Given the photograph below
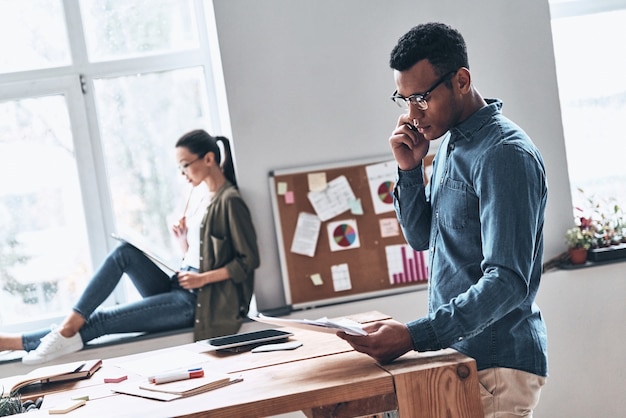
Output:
x=248 y=339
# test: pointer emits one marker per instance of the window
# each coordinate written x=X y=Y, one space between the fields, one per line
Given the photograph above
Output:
x=39 y=209
x=38 y=39
x=588 y=37
x=93 y=95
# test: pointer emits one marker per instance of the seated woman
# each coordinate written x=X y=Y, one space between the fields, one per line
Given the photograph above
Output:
x=212 y=290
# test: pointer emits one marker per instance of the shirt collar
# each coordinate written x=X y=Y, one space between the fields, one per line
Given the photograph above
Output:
x=471 y=125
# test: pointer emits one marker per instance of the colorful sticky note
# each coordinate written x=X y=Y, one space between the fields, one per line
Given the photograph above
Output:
x=355 y=207
x=289 y=199
x=317 y=181
x=317 y=279
x=115 y=379
x=281 y=188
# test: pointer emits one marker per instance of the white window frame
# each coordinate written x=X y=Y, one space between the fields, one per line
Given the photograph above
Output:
x=75 y=82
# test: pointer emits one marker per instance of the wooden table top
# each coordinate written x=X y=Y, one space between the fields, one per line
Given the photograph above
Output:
x=325 y=370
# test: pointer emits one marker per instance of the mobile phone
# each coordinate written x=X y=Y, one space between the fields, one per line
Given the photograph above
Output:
x=248 y=339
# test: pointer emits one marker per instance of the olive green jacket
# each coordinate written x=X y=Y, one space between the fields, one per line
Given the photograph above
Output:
x=227 y=239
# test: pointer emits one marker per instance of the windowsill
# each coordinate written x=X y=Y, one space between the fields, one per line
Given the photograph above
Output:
x=569 y=266
x=105 y=341
x=113 y=345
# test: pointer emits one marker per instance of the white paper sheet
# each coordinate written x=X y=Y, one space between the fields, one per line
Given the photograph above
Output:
x=322 y=325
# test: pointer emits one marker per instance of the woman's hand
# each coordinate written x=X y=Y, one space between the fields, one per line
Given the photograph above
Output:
x=193 y=280
x=180 y=232
x=409 y=147
x=190 y=280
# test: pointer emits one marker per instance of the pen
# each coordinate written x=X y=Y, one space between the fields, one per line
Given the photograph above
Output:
x=79 y=368
x=187 y=204
x=176 y=375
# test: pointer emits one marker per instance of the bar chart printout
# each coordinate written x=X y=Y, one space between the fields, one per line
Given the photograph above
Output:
x=405 y=265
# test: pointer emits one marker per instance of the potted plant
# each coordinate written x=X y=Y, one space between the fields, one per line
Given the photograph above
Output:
x=604 y=221
x=10 y=405
x=578 y=243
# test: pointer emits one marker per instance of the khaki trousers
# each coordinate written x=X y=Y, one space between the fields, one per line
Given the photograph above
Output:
x=509 y=393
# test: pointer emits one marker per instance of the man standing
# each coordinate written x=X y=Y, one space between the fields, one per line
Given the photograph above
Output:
x=480 y=216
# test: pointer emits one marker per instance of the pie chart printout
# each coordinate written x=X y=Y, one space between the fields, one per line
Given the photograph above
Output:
x=344 y=235
x=385 y=191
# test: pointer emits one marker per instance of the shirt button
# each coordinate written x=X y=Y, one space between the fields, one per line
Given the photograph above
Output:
x=460 y=339
x=197 y=321
x=199 y=305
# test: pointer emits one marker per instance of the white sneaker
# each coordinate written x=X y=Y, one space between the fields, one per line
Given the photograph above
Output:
x=52 y=346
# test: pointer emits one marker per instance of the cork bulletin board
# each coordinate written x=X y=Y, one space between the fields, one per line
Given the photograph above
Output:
x=338 y=236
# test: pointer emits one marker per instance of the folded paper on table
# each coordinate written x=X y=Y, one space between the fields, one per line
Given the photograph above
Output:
x=323 y=324
x=58 y=373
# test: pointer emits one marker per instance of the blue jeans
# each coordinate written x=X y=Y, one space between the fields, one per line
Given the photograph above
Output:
x=164 y=304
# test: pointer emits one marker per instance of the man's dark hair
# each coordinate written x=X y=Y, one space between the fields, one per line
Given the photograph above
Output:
x=443 y=46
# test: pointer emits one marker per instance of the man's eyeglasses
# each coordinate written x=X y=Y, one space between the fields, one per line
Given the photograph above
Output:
x=419 y=100
x=183 y=167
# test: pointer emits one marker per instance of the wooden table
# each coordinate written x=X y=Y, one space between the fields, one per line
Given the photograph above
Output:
x=323 y=378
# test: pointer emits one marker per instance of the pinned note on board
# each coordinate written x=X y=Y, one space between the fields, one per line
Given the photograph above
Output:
x=381 y=178
x=281 y=188
x=305 y=237
x=317 y=181
x=389 y=227
x=317 y=279
x=341 y=277
x=343 y=235
x=356 y=208
x=333 y=200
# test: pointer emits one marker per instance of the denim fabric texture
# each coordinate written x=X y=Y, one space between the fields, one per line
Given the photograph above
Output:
x=164 y=304
x=481 y=217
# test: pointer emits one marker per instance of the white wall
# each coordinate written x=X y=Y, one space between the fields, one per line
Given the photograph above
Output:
x=585 y=314
x=308 y=83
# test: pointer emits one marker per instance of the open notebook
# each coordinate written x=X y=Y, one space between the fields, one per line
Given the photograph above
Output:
x=49 y=374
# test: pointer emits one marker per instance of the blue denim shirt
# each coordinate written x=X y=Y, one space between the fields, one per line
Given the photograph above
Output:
x=481 y=218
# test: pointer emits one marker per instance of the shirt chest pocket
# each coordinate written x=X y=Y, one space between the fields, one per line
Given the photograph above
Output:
x=452 y=204
x=221 y=250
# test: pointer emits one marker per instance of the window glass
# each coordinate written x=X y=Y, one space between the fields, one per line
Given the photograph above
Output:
x=147 y=94
x=141 y=117
x=592 y=92
x=44 y=258
x=132 y=28
x=34 y=35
